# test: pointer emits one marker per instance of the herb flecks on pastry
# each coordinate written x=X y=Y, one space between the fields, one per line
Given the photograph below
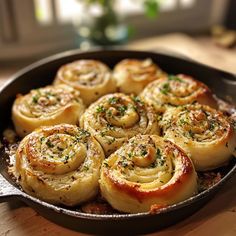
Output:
x=91 y=78
x=203 y=132
x=59 y=164
x=176 y=90
x=50 y=105
x=115 y=118
x=146 y=173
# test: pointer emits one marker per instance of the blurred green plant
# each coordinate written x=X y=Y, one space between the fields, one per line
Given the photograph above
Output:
x=107 y=28
x=151 y=7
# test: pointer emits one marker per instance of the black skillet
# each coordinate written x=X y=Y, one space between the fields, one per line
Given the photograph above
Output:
x=42 y=73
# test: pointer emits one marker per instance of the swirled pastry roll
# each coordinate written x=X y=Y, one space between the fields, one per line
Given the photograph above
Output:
x=148 y=172
x=203 y=132
x=92 y=78
x=59 y=164
x=133 y=75
x=50 y=105
x=116 y=117
x=177 y=90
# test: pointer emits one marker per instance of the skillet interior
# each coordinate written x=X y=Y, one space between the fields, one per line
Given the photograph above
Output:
x=43 y=72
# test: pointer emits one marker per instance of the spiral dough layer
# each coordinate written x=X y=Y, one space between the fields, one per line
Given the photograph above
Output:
x=114 y=118
x=50 y=105
x=133 y=75
x=148 y=172
x=177 y=90
x=59 y=164
x=204 y=133
x=92 y=78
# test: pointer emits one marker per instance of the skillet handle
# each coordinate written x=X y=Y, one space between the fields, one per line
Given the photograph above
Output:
x=7 y=191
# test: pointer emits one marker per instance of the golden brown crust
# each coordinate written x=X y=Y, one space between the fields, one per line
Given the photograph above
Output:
x=50 y=105
x=116 y=117
x=168 y=177
x=177 y=90
x=133 y=75
x=90 y=77
x=204 y=133
x=59 y=164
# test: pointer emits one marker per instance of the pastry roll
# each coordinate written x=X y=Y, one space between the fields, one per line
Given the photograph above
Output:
x=203 y=132
x=133 y=75
x=177 y=90
x=147 y=173
x=50 y=105
x=92 y=78
x=116 y=117
x=59 y=164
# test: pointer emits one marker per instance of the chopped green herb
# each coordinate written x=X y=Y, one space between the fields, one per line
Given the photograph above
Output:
x=191 y=133
x=105 y=164
x=86 y=168
x=113 y=100
x=109 y=113
x=159 y=117
x=165 y=88
x=42 y=139
x=161 y=162
x=49 y=94
x=66 y=158
x=137 y=99
x=234 y=124
x=123 y=163
x=175 y=78
x=158 y=154
x=122 y=109
x=143 y=152
x=154 y=164
x=100 y=109
x=212 y=126
x=183 y=121
x=75 y=98
x=110 y=126
x=103 y=133
x=131 y=166
x=85 y=133
x=205 y=112
x=112 y=140
x=159 y=157
x=35 y=99
x=135 y=108
x=173 y=105
x=49 y=144
x=60 y=149
x=129 y=154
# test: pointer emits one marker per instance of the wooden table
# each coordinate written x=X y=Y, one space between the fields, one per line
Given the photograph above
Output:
x=217 y=218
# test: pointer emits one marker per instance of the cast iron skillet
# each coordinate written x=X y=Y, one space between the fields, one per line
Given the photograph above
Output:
x=42 y=73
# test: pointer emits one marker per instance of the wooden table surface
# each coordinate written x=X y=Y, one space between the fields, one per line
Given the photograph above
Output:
x=217 y=218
